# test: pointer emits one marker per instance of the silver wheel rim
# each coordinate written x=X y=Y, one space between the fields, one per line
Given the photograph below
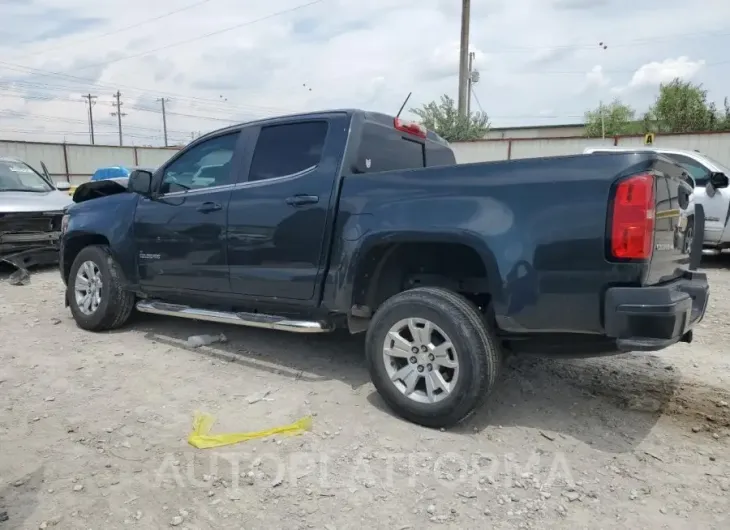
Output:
x=421 y=360
x=87 y=288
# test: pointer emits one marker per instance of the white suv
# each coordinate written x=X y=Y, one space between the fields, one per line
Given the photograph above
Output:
x=701 y=168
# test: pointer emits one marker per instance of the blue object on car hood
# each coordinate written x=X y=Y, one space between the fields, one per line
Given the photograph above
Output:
x=113 y=172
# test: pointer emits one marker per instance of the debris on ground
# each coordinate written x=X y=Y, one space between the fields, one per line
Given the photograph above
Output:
x=203 y=423
x=20 y=277
x=260 y=396
x=196 y=341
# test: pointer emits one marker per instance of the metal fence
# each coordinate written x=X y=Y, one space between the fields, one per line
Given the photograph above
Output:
x=715 y=145
x=77 y=162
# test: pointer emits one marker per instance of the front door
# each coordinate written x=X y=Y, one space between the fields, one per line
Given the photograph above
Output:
x=716 y=206
x=279 y=216
x=180 y=233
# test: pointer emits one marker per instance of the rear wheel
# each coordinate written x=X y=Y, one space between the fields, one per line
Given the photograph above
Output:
x=95 y=291
x=432 y=356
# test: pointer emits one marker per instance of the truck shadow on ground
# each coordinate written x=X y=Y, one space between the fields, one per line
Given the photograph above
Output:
x=609 y=403
x=19 y=499
x=715 y=261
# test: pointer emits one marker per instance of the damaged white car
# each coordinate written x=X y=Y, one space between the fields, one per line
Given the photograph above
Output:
x=31 y=209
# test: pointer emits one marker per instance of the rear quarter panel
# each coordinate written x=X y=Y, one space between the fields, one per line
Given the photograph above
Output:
x=538 y=224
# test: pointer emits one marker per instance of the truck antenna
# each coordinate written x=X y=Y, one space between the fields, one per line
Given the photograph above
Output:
x=404 y=104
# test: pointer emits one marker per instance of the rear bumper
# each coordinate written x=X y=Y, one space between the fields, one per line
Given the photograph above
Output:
x=653 y=318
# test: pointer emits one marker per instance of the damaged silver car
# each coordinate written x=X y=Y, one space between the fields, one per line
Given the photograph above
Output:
x=31 y=209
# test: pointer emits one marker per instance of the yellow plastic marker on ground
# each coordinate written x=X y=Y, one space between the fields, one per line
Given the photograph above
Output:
x=202 y=423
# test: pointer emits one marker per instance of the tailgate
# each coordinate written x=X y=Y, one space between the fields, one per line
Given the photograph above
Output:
x=674 y=232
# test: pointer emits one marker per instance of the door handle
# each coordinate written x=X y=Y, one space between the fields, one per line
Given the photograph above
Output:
x=300 y=200
x=207 y=207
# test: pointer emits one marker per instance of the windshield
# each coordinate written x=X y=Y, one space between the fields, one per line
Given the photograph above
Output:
x=18 y=176
x=720 y=165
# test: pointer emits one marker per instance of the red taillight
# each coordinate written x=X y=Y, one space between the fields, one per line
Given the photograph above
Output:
x=410 y=127
x=632 y=223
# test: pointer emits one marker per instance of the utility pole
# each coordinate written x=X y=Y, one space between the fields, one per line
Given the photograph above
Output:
x=119 y=113
x=464 y=57
x=472 y=80
x=164 y=119
x=91 y=100
x=600 y=103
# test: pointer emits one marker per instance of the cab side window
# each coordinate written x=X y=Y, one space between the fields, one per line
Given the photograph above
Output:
x=206 y=165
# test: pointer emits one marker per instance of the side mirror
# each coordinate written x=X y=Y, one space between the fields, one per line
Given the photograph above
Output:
x=140 y=181
x=63 y=186
x=719 y=180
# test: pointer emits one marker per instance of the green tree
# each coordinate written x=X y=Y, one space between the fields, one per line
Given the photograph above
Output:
x=682 y=107
x=613 y=119
x=443 y=118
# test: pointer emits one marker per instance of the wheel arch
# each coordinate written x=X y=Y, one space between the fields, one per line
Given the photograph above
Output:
x=458 y=260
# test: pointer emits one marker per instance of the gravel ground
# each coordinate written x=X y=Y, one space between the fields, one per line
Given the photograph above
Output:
x=93 y=432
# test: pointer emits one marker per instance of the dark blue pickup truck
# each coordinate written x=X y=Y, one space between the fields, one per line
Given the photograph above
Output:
x=352 y=219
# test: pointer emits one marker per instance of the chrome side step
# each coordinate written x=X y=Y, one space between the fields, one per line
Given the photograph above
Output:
x=254 y=320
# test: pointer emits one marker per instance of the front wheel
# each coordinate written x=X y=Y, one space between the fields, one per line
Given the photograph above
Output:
x=95 y=291
x=432 y=357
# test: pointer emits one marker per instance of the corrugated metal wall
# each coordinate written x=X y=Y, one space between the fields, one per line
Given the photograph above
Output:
x=78 y=162
x=716 y=145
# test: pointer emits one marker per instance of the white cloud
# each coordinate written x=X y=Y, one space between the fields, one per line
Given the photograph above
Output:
x=656 y=73
x=531 y=54
x=596 y=77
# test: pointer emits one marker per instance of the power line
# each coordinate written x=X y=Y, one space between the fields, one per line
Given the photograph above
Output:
x=112 y=32
x=476 y=98
x=205 y=36
x=96 y=84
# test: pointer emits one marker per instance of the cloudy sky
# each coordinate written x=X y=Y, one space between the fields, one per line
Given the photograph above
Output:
x=221 y=61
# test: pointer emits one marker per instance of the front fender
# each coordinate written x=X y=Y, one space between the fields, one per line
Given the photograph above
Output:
x=106 y=219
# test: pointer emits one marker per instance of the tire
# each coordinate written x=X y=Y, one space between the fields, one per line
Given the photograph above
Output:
x=475 y=349
x=689 y=235
x=115 y=304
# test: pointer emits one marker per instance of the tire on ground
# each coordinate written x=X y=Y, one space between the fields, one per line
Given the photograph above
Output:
x=116 y=304
x=476 y=348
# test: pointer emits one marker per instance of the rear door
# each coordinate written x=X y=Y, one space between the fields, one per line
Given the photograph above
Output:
x=282 y=209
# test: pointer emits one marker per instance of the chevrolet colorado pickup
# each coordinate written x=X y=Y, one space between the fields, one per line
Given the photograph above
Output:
x=356 y=220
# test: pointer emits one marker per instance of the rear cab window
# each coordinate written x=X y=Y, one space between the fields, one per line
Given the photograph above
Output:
x=384 y=148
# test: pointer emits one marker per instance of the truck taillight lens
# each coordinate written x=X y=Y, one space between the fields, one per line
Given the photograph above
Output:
x=632 y=221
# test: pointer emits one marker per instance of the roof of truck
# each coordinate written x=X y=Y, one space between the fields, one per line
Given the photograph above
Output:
x=378 y=117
